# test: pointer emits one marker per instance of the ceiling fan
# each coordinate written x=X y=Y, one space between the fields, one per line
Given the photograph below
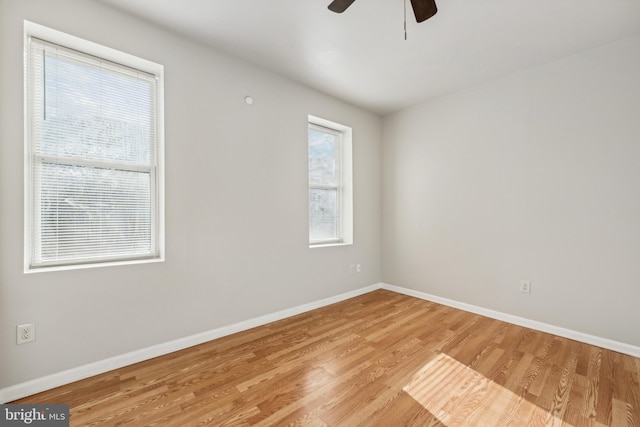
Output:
x=422 y=9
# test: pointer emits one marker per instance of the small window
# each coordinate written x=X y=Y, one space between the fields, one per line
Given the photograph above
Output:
x=93 y=154
x=330 y=201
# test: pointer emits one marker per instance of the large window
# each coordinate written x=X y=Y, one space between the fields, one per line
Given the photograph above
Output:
x=330 y=212
x=94 y=176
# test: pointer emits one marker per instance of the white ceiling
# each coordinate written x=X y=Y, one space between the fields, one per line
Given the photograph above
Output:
x=361 y=55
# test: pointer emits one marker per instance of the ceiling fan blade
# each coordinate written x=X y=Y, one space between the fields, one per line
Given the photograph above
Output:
x=423 y=9
x=339 y=6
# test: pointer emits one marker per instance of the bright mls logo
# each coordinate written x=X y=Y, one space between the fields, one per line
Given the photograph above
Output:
x=34 y=415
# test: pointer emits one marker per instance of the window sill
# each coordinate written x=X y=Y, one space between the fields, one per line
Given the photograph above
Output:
x=324 y=245
x=29 y=270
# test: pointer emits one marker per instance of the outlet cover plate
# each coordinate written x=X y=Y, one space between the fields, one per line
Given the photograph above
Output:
x=25 y=333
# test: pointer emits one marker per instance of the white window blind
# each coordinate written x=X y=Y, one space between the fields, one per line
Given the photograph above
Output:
x=325 y=185
x=93 y=159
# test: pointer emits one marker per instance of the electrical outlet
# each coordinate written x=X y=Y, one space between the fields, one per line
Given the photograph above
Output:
x=525 y=286
x=25 y=333
x=358 y=268
x=352 y=268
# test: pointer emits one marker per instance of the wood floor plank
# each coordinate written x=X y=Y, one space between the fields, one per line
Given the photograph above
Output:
x=381 y=359
x=605 y=390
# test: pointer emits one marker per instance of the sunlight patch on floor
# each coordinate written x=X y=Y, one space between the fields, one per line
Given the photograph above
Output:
x=457 y=395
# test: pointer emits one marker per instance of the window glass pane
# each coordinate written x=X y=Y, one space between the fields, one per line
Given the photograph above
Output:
x=323 y=214
x=95 y=113
x=323 y=167
x=92 y=212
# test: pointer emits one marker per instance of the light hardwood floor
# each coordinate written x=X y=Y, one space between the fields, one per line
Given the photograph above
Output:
x=381 y=359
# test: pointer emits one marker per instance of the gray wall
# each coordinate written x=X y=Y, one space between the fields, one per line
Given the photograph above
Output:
x=536 y=177
x=236 y=204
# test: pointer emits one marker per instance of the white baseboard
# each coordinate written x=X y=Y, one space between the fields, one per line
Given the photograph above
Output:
x=521 y=321
x=38 y=385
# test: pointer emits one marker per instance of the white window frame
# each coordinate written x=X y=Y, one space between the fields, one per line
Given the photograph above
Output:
x=344 y=185
x=48 y=35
